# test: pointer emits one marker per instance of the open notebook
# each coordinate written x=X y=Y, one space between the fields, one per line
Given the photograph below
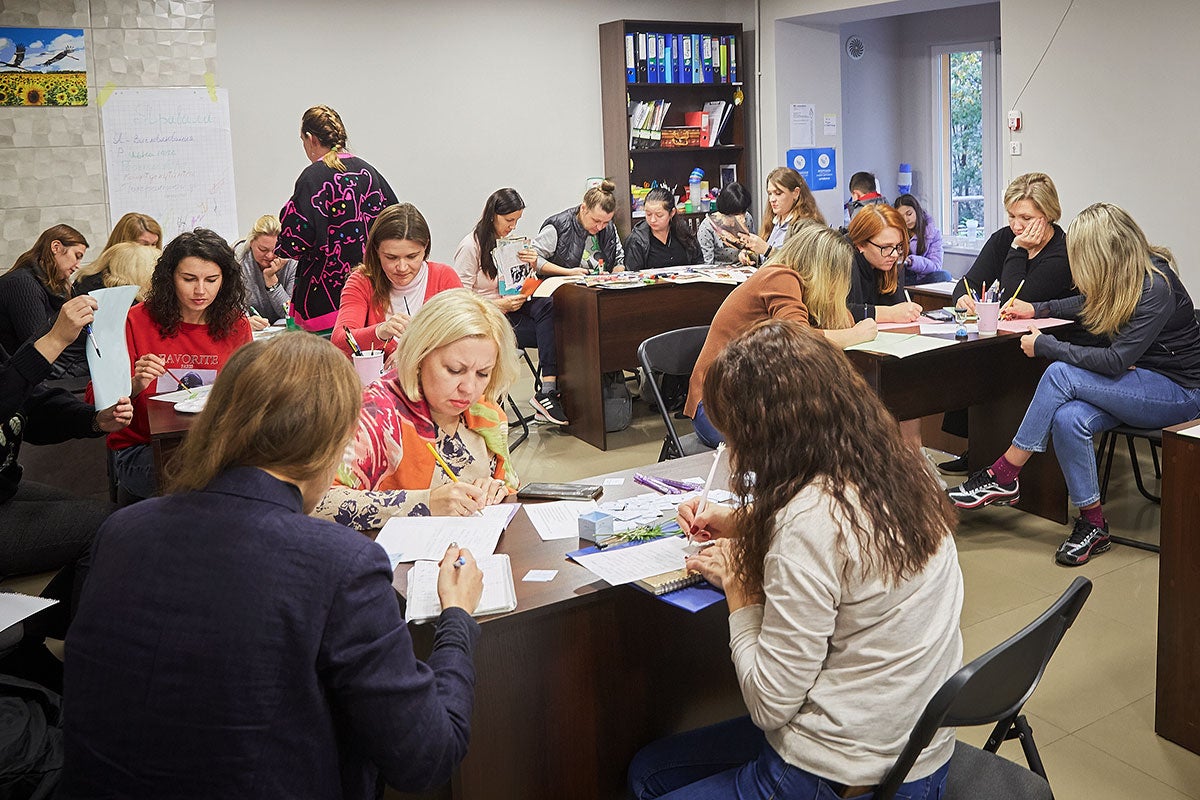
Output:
x=499 y=593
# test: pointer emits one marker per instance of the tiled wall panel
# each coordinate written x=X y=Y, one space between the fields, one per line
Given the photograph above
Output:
x=172 y=14
x=53 y=176
x=44 y=14
x=20 y=227
x=153 y=57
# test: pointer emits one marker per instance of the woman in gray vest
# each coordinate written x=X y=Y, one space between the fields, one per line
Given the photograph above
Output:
x=583 y=240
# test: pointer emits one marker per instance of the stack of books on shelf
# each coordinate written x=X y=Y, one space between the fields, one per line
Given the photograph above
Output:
x=700 y=129
x=680 y=58
x=645 y=123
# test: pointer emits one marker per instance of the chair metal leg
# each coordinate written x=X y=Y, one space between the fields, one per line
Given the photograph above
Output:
x=1023 y=733
x=521 y=420
x=1137 y=473
x=1154 y=458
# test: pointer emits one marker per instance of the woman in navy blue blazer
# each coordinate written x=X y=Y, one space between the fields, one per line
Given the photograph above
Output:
x=230 y=645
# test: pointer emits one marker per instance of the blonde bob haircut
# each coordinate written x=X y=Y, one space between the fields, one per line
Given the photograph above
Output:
x=1110 y=259
x=451 y=315
x=288 y=404
x=125 y=264
x=824 y=260
x=869 y=223
x=266 y=225
x=1038 y=187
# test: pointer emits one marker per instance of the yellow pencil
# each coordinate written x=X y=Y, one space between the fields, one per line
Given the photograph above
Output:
x=1017 y=292
x=445 y=467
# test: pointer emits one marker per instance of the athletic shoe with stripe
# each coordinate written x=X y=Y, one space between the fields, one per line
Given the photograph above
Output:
x=982 y=489
x=1085 y=541
x=549 y=408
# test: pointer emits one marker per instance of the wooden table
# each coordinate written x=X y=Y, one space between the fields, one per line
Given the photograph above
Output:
x=599 y=330
x=928 y=299
x=577 y=679
x=991 y=376
x=1176 y=701
x=167 y=428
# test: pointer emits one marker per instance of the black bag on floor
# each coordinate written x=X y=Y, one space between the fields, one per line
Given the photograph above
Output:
x=31 y=740
x=618 y=402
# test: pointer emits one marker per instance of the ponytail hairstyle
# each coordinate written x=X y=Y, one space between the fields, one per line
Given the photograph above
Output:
x=919 y=231
x=680 y=230
x=500 y=203
x=602 y=197
x=324 y=124
x=40 y=257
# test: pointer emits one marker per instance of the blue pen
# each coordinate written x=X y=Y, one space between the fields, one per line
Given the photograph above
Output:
x=92 y=339
x=461 y=562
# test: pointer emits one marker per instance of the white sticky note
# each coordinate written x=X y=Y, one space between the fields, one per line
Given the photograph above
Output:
x=614 y=481
x=540 y=575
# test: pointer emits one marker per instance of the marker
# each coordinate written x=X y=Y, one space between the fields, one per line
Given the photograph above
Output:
x=712 y=471
x=354 y=348
x=460 y=562
x=92 y=339
x=254 y=311
x=406 y=311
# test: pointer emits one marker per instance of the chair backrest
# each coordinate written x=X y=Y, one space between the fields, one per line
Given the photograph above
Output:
x=671 y=353
x=994 y=686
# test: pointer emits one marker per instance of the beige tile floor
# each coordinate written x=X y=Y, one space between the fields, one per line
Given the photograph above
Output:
x=1093 y=714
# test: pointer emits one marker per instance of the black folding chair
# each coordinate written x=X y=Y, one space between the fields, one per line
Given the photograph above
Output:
x=673 y=353
x=992 y=689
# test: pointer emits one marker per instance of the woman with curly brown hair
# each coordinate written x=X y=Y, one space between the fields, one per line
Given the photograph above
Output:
x=190 y=324
x=841 y=577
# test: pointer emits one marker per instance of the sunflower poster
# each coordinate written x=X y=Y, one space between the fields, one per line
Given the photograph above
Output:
x=42 y=67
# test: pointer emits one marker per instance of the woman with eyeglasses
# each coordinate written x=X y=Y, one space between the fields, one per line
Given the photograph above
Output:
x=880 y=239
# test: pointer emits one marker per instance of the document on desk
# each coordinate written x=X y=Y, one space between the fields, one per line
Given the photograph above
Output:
x=901 y=345
x=1022 y=325
x=15 y=607
x=547 y=286
x=559 y=519
x=628 y=564
x=415 y=538
x=941 y=287
x=499 y=593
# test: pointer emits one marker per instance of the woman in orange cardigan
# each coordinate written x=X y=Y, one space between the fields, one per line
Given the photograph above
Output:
x=453 y=365
x=392 y=283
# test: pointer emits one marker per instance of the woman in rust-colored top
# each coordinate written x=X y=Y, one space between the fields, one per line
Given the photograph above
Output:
x=807 y=280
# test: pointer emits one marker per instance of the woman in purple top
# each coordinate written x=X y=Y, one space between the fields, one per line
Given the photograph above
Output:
x=924 y=263
x=325 y=224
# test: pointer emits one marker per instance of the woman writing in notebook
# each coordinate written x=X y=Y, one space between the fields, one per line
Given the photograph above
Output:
x=431 y=437
x=880 y=240
x=663 y=238
x=791 y=202
x=806 y=280
x=582 y=240
x=180 y=337
x=718 y=231
x=924 y=262
x=223 y=625
x=392 y=284
x=532 y=318
x=842 y=582
x=1146 y=372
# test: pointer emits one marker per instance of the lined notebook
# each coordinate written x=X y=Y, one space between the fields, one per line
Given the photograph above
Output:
x=499 y=593
x=669 y=581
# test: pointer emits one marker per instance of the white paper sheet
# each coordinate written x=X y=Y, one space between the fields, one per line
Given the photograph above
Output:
x=559 y=519
x=16 y=607
x=540 y=575
x=110 y=368
x=180 y=395
x=416 y=538
x=902 y=344
x=627 y=564
x=499 y=594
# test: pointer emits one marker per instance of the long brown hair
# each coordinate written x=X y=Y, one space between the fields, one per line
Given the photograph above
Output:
x=866 y=225
x=40 y=257
x=401 y=221
x=805 y=207
x=264 y=412
x=812 y=418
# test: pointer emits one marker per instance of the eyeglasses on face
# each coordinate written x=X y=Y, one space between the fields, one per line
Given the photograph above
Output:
x=889 y=249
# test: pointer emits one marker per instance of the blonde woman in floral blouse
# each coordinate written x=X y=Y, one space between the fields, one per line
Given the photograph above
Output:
x=453 y=366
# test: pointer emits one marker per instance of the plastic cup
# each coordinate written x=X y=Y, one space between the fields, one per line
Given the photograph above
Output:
x=989 y=317
x=972 y=229
x=369 y=366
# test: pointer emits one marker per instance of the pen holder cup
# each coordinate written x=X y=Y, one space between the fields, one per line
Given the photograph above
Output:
x=989 y=318
x=369 y=366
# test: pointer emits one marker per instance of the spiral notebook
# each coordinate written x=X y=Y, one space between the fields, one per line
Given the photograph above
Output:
x=499 y=593
x=669 y=581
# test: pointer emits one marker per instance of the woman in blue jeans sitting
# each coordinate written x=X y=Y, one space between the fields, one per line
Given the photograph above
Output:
x=841 y=577
x=1148 y=375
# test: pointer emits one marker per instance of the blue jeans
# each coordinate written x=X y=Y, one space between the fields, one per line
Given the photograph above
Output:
x=704 y=429
x=732 y=760
x=917 y=278
x=1073 y=404
x=134 y=466
x=533 y=324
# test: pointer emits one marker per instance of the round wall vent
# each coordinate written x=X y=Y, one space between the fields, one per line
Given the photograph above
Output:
x=856 y=48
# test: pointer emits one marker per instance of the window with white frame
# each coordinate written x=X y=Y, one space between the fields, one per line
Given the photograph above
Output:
x=966 y=142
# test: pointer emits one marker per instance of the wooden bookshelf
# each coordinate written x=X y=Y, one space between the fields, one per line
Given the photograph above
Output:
x=625 y=166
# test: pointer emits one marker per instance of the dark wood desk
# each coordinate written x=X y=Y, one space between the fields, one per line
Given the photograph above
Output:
x=577 y=679
x=928 y=300
x=167 y=429
x=1176 y=701
x=991 y=376
x=599 y=330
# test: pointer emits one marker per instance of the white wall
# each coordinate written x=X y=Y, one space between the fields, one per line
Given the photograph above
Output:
x=872 y=111
x=807 y=70
x=450 y=101
x=1113 y=111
